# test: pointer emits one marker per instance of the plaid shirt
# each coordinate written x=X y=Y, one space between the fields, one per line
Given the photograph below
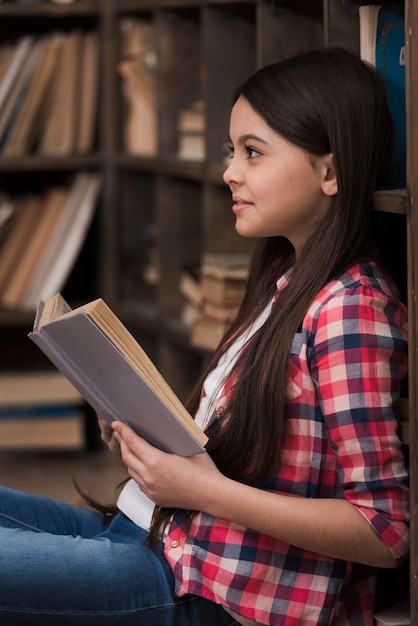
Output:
x=346 y=366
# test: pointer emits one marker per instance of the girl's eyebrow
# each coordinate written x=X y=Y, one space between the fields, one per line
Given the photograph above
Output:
x=250 y=137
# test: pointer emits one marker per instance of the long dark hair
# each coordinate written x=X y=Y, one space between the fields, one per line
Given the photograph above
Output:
x=324 y=101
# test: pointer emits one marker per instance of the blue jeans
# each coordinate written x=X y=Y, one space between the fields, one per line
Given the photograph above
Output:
x=61 y=565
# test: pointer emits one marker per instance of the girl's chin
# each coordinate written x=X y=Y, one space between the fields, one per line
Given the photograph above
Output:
x=245 y=230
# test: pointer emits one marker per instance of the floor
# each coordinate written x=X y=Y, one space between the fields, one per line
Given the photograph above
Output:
x=52 y=473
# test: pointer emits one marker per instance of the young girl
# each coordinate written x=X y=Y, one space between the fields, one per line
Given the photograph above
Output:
x=302 y=492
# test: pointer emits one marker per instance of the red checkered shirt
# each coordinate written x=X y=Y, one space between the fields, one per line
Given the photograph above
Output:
x=346 y=366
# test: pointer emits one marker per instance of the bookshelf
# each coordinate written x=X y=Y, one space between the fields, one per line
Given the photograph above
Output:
x=158 y=212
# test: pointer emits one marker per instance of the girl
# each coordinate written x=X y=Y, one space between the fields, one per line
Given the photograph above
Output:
x=302 y=492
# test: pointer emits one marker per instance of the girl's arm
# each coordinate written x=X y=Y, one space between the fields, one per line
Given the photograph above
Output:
x=333 y=528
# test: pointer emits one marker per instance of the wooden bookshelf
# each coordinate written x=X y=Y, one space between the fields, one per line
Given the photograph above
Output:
x=162 y=211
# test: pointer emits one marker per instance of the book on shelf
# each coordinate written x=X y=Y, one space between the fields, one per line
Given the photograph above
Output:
x=211 y=322
x=192 y=119
x=37 y=388
x=6 y=54
x=89 y=89
x=192 y=146
x=207 y=333
x=48 y=214
x=223 y=312
x=16 y=82
x=40 y=410
x=189 y=315
x=222 y=291
x=136 y=35
x=226 y=265
x=223 y=278
x=49 y=93
x=191 y=132
x=189 y=289
x=189 y=283
x=13 y=59
x=100 y=357
x=42 y=246
x=59 y=130
x=138 y=70
x=63 y=247
x=22 y=134
x=221 y=287
x=140 y=137
x=7 y=211
x=24 y=223
x=42 y=429
x=382 y=43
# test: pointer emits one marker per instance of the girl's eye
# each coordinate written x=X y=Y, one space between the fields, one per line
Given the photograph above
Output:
x=229 y=150
x=252 y=152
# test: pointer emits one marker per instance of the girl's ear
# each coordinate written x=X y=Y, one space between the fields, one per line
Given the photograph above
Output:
x=329 y=182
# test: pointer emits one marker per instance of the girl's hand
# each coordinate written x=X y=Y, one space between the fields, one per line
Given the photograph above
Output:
x=107 y=435
x=332 y=527
x=168 y=480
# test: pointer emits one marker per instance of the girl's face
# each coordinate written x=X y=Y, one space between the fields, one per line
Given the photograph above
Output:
x=276 y=189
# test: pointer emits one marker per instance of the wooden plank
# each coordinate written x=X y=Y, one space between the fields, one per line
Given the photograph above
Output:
x=411 y=53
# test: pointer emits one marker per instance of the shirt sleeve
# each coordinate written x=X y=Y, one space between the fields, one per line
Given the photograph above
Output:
x=358 y=360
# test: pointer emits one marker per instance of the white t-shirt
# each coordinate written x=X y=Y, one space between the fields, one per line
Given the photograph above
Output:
x=132 y=501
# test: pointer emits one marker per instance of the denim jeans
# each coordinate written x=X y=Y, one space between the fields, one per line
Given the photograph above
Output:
x=61 y=565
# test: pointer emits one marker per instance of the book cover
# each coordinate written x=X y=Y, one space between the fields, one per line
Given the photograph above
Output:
x=104 y=362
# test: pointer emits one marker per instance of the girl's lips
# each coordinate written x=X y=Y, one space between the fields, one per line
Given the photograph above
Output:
x=239 y=204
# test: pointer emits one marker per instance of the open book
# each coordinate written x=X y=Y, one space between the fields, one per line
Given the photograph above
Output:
x=104 y=362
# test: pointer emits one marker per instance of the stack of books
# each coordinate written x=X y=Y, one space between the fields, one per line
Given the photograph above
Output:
x=191 y=129
x=214 y=291
x=40 y=410
x=44 y=237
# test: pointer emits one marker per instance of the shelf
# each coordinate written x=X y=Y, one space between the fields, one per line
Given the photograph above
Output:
x=162 y=165
x=16 y=318
x=390 y=201
x=34 y=163
x=44 y=9
x=147 y=5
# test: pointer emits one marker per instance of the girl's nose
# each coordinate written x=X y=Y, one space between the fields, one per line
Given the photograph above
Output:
x=230 y=174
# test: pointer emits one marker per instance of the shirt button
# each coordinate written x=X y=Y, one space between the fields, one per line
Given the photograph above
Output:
x=220 y=411
x=175 y=543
